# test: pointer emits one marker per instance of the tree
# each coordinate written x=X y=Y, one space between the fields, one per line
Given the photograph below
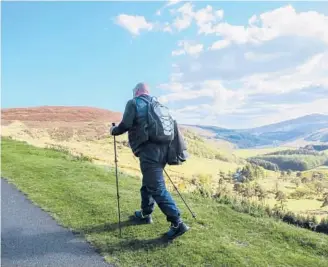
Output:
x=298 y=174
x=318 y=187
x=276 y=187
x=281 y=198
x=296 y=181
x=247 y=173
x=304 y=180
x=249 y=191
x=325 y=200
x=260 y=192
x=230 y=176
x=314 y=176
x=222 y=175
x=289 y=172
x=221 y=182
x=237 y=187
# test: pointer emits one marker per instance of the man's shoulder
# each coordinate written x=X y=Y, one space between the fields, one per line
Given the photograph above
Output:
x=131 y=102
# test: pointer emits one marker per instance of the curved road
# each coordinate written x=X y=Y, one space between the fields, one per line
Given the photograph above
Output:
x=30 y=237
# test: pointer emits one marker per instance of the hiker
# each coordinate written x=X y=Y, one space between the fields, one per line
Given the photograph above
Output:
x=153 y=158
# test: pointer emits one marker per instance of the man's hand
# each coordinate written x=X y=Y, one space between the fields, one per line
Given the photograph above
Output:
x=111 y=129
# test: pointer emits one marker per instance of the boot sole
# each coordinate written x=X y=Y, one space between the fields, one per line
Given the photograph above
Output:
x=179 y=234
x=143 y=221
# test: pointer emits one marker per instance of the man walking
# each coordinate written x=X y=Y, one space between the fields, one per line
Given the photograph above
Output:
x=153 y=158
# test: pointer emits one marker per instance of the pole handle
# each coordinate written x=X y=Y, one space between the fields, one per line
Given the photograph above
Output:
x=113 y=123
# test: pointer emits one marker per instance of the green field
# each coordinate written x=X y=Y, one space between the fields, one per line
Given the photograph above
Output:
x=82 y=196
x=249 y=152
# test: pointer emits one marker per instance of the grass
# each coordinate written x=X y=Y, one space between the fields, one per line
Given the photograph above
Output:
x=205 y=156
x=82 y=196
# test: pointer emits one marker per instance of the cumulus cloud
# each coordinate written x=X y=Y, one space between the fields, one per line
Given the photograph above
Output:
x=168 y=4
x=184 y=19
x=284 y=21
x=134 y=24
x=220 y=44
x=273 y=67
x=188 y=48
x=312 y=73
x=262 y=72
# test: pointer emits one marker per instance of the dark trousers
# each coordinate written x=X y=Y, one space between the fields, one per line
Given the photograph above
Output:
x=153 y=190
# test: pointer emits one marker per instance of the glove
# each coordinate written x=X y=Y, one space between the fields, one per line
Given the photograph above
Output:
x=111 y=129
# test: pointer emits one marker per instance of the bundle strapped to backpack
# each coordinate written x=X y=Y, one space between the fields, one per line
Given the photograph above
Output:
x=177 y=153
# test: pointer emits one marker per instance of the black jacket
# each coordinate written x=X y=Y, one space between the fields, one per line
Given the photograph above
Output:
x=135 y=123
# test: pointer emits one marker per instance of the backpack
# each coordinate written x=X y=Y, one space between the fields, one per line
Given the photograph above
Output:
x=160 y=122
x=177 y=152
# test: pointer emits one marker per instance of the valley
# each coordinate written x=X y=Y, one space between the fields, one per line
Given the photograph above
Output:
x=211 y=166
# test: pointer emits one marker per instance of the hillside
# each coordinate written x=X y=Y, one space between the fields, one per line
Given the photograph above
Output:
x=88 y=137
x=82 y=197
x=86 y=130
x=59 y=113
x=310 y=129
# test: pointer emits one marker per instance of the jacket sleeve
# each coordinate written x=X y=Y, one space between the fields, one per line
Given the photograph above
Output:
x=128 y=119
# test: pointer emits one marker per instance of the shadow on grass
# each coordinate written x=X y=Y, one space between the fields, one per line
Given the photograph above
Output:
x=148 y=244
x=110 y=227
x=127 y=244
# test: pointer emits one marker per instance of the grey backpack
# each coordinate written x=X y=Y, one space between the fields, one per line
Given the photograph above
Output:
x=160 y=122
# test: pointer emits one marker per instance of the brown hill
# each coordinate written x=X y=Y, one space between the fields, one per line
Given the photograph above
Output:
x=59 y=123
x=60 y=113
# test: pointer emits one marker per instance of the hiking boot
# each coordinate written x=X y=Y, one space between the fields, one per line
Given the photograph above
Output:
x=143 y=218
x=177 y=230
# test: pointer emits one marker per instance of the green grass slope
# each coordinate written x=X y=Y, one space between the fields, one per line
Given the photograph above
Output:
x=82 y=196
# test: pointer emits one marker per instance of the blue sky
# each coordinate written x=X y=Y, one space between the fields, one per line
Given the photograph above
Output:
x=229 y=64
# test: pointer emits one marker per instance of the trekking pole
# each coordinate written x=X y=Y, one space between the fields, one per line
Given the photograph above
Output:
x=118 y=195
x=193 y=214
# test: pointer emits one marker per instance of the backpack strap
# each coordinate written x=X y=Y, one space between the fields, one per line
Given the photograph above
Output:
x=145 y=99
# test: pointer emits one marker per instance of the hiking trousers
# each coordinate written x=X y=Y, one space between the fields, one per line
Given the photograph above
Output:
x=153 y=190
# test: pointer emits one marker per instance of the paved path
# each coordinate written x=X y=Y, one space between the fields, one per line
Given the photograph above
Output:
x=30 y=237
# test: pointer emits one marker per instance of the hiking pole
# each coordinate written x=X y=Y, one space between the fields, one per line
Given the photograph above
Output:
x=118 y=194
x=193 y=214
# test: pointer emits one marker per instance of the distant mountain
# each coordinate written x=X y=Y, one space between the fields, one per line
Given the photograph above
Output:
x=301 y=125
x=308 y=129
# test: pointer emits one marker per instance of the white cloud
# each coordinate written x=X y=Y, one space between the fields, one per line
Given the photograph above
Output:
x=272 y=68
x=220 y=44
x=169 y=3
x=173 y=2
x=312 y=73
x=288 y=111
x=188 y=48
x=186 y=15
x=134 y=24
x=167 y=27
x=178 y=52
x=222 y=99
x=284 y=21
x=205 y=18
x=253 y=20
x=219 y=14
x=173 y=87
x=253 y=56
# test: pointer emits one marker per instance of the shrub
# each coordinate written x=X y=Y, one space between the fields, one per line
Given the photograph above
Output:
x=302 y=192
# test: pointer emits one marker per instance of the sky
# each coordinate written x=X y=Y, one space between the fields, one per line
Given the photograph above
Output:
x=229 y=64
